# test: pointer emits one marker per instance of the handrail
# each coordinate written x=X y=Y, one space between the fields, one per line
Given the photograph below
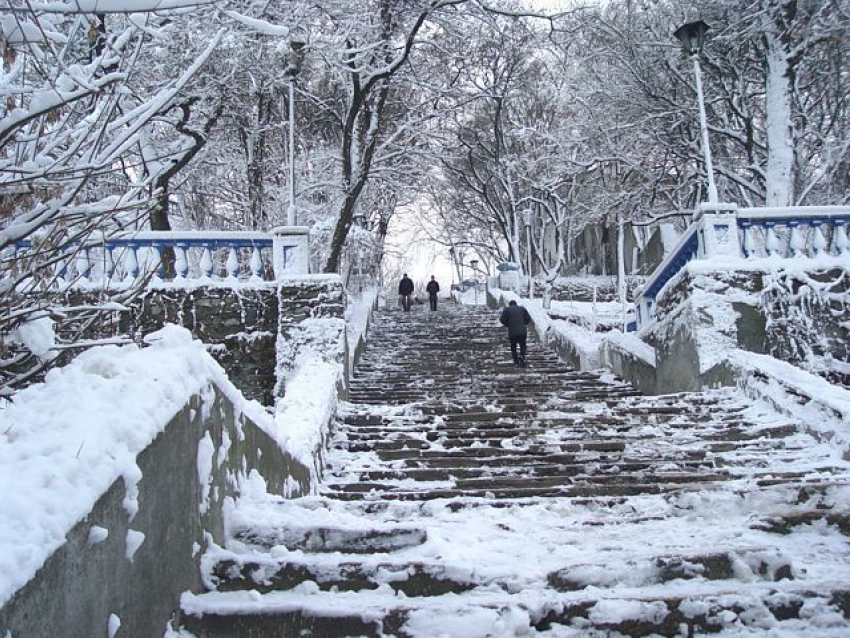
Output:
x=684 y=250
x=228 y=255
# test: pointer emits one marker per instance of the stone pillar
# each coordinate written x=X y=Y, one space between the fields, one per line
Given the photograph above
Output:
x=290 y=250
x=718 y=231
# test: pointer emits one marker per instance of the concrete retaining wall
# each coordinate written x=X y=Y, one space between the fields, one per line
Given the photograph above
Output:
x=799 y=317
x=629 y=366
x=83 y=583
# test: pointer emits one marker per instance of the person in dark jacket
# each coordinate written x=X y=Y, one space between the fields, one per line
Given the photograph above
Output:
x=432 y=288
x=516 y=318
x=405 y=289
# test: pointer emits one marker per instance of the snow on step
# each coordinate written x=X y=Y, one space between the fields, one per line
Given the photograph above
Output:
x=466 y=497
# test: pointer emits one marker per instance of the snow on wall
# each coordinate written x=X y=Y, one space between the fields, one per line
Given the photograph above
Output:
x=312 y=353
x=822 y=408
x=63 y=443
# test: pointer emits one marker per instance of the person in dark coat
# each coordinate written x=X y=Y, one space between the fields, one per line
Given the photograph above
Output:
x=405 y=289
x=433 y=288
x=516 y=318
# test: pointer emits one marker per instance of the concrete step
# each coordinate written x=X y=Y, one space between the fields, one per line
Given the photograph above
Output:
x=364 y=540
x=264 y=574
x=493 y=613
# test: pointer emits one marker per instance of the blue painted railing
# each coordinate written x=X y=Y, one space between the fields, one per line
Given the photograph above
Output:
x=213 y=255
x=794 y=232
x=750 y=233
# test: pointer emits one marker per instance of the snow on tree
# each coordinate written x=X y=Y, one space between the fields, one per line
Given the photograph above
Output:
x=70 y=129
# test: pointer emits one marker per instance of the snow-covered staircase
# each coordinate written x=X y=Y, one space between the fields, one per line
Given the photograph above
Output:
x=467 y=497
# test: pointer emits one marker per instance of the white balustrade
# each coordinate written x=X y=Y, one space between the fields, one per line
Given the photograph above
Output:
x=773 y=232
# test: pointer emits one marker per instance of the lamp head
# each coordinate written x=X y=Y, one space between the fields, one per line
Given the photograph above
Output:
x=692 y=36
x=293 y=58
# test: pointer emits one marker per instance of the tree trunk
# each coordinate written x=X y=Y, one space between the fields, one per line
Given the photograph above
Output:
x=779 y=86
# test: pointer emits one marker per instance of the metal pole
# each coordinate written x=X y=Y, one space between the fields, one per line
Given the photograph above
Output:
x=290 y=212
x=709 y=166
x=528 y=250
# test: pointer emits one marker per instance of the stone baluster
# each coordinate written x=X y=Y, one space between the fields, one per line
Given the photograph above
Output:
x=771 y=241
x=181 y=264
x=154 y=262
x=60 y=270
x=747 y=244
x=840 y=242
x=82 y=264
x=131 y=263
x=796 y=243
x=256 y=264
x=819 y=244
x=206 y=262
x=232 y=266
x=108 y=263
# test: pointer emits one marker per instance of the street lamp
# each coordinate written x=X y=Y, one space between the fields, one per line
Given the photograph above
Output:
x=474 y=265
x=293 y=67
x=527 y=220
x=692 y=37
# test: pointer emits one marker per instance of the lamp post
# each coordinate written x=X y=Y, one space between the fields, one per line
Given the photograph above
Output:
x=692 y=37
x=473 y=263
x=293 y=67
x=526 y=216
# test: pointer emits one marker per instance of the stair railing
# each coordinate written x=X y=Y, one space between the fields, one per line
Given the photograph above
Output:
x=227 y=256
x=727 y=233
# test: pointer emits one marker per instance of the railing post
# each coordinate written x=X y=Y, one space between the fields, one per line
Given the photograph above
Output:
x=290 y=250
x=718 y=231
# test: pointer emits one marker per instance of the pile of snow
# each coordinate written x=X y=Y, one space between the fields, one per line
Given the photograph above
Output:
x=65 y=441
x=303 y=416
x=357 y=313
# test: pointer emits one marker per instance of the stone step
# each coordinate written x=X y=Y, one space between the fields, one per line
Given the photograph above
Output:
x=333 y=539
x=539 y=470
x=489 y=457
x=263 y=574
x=391 y=454
x=235 y=572
x=497 y=613
x=523 y=489
x=580 y=480
x=584 y=492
